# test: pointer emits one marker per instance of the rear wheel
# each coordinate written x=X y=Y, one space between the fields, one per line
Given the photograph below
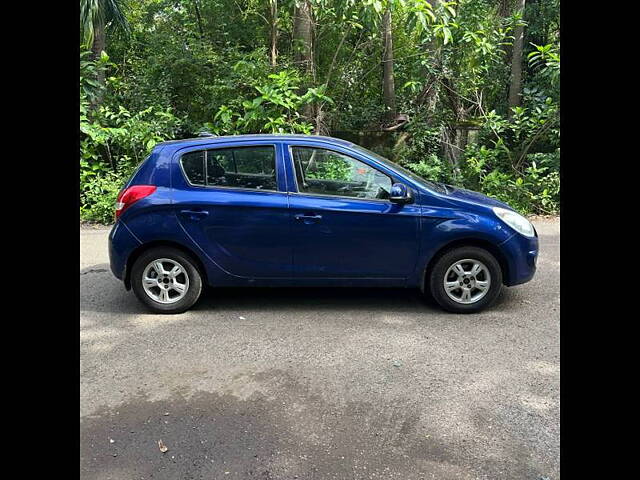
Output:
x=465 y=280
x=166 y=280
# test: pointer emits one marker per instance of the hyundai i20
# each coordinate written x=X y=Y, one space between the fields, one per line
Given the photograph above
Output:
x=293 y=210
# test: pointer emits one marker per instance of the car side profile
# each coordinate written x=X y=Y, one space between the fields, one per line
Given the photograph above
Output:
x=295 y=210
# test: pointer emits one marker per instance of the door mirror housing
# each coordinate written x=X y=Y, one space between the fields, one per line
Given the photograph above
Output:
x=400 y=193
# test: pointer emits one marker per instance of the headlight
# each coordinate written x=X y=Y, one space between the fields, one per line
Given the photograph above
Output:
x=515 y=221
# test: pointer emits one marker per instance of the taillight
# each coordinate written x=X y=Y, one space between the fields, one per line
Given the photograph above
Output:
x=131 y=195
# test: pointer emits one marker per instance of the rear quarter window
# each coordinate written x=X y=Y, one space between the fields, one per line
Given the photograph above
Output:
x=193 y=166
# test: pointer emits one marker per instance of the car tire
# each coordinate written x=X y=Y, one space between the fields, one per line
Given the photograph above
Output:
x=174 y=291
x=473 y=280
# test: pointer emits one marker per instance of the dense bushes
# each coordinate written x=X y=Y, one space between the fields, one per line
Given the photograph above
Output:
x=501 y=163
x=113 y=142
x=236 y=67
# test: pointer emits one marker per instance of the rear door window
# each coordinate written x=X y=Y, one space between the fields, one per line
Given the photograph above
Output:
x=242 y=167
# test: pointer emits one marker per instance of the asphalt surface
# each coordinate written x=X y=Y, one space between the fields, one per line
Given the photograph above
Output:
x=319 y=383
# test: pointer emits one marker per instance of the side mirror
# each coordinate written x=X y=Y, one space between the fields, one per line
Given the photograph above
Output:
x=400 y=193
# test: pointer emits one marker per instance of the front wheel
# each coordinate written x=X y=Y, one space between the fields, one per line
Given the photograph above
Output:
x=465 y=280
x=166 y=280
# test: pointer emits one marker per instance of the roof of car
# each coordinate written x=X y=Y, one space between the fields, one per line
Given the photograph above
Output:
x=261 y=136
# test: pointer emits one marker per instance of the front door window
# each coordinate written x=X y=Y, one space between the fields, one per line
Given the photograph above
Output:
x=325 y=172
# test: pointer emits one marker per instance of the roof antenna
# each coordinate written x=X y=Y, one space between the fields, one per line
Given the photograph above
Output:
x=205 y=133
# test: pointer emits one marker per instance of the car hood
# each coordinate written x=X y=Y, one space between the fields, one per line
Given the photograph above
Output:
x=476 y=198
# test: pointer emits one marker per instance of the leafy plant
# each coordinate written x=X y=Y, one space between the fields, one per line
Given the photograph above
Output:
x=332 y=168
x=276 y=110
x=546 y=59
x=432 y=168
x=90 y=88
x=98 y=195
x=113 y=142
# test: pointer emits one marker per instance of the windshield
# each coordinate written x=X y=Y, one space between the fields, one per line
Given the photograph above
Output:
x=438 y=187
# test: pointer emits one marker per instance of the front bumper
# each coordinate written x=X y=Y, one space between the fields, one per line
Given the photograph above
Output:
x=521 y=255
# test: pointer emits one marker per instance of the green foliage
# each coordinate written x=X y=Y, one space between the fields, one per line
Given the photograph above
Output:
x=276 y=110
x=333 y=168
x=172 y=71
x=501 y=162
x=432 y=168
x=90 y=88
x=115 y=137
x=546 y=59
x=421 y=155
x=101 y=12
x=533 y=187
x=98 y=194
x=113 y=142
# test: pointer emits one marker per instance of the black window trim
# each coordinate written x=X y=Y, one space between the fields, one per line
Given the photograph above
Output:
x=227 y=147
x=323 y=147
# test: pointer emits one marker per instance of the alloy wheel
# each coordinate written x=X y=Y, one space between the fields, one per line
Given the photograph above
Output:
x=165 y=281
x=467 y=281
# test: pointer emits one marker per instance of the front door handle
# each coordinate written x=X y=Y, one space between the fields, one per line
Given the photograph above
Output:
x=194 y=214
x=308 y=218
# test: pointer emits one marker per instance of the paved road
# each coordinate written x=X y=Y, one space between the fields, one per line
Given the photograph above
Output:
x=319 y=384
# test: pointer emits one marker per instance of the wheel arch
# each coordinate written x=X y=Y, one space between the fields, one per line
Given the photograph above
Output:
x=492 y=248
x=135 y=254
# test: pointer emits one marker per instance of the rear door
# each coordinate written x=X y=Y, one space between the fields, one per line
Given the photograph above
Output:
x=231 y=200
x=343 y=225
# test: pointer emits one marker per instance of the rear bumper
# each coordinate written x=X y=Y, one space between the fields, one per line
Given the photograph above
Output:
x=521 y=254
x=121 y=243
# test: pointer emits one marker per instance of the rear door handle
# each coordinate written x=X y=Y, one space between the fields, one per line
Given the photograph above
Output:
x=194 y=214
x=308 y=218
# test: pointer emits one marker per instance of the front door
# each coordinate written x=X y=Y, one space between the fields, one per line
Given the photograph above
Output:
x=343 y=225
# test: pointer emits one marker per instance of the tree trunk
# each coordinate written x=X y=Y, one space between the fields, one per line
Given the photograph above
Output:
x=99 y=44
x=504 y=11
x=303 y=53
x=388 y=87
x=504 y=8
x=199 y=19
x=515 y=85
x=454 y=136
x=429 y=94
x=303 y=36
x=273 y=34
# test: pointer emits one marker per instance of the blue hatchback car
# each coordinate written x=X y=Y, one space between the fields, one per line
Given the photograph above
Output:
x=294 y=210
